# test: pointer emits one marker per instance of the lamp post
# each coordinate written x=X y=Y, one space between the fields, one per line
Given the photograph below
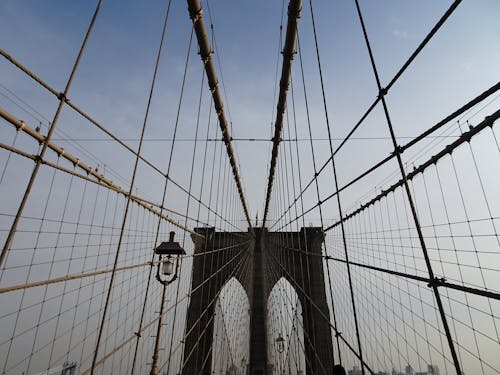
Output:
x=243 y=366
x=280 y=346
x=167 y=267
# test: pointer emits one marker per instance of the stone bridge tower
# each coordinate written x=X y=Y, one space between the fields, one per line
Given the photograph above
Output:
x=300 y=264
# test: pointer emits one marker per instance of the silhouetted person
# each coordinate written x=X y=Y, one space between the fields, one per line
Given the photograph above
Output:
x=338 y=370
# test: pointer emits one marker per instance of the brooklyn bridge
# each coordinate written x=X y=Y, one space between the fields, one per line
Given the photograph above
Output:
x=220 y=187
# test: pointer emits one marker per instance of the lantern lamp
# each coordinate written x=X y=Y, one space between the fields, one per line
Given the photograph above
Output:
x=280 y=342
x=168 y=266
x=169 y=249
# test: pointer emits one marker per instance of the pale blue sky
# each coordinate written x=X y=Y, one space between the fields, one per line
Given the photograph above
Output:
x=112 y=85
x=112 y=82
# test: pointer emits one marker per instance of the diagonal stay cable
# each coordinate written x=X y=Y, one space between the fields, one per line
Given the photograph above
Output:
x=62 y=101
x=294 y=10
x=132 y=184
x=465 y=137
x=396 y=77
x=101 y=127
x=410 y=199
x=91 y=174
x=424 y=135
x=196 y=14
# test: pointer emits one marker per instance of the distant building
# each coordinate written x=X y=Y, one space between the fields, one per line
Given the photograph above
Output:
x=432 y=370
x=409 y=370
x=65 y=369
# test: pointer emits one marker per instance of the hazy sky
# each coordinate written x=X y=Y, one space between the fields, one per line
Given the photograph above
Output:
x=112 y=82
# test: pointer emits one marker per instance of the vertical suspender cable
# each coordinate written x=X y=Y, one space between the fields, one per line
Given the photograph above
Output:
x=129 y=200
x=404 y=179
x=38 y=162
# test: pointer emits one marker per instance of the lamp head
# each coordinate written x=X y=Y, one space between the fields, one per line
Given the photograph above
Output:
x=168 y=266
x=170 y=248
x=280 y=341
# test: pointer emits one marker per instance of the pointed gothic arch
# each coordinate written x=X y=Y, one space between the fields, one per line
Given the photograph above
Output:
x=266 y=259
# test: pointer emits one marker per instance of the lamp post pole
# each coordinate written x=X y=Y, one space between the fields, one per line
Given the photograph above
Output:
x=170 y=248
x=154 y=365
x=280 y=341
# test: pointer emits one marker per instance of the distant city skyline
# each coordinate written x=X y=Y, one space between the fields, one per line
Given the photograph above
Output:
x=408 y=370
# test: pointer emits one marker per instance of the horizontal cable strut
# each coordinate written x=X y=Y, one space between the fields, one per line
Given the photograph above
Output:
x=441 y=282
x=196 y=14
x=294 y=9
x=437 y=281
x=86 y=177
x=100 y=178
x=425 y=135
x=465 y=137
x=149 y=324
x=242 y=139
x=100 y=272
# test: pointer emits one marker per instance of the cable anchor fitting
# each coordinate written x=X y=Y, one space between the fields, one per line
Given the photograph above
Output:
x=382 y=92
x=397 y=150
x=435 y=282
x=62 y=97
x=196 y=15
